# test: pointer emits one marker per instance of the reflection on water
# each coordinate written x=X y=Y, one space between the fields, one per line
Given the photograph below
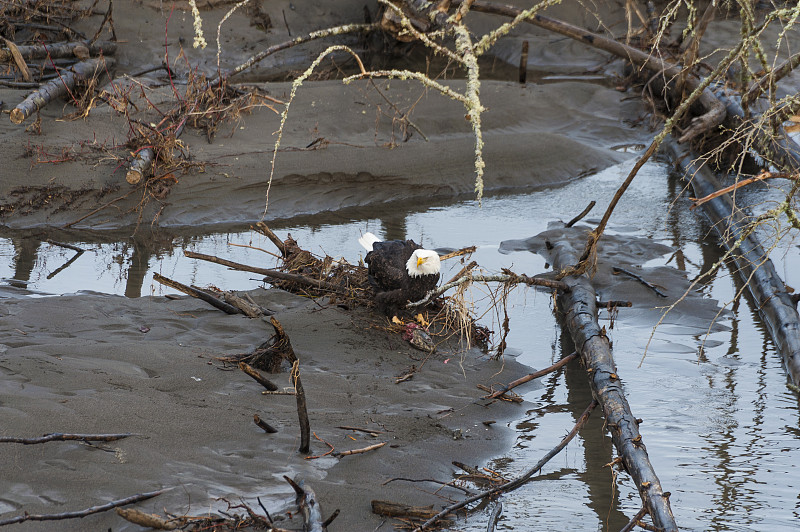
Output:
x=720 y=425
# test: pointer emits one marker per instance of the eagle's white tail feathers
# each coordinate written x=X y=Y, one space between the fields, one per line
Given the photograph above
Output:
x=367 y=239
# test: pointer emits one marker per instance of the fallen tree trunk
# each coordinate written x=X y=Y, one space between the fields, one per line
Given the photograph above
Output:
x=579 y=310
x=756 y=270
x=715 y=110
x=58 y=87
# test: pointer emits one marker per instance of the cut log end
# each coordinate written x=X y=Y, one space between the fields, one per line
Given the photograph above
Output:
x=133 y=176
x=17 y=116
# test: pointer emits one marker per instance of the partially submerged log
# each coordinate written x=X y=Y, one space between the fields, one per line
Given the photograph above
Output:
x=579 y=310
x=773 y=302
x=59 y=87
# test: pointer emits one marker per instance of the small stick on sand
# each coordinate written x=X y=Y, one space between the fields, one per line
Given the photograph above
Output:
x=396 y=509
x=371 y=432
x=266 y=427
x=258 y=377
x=58 y=436
x=523 y=63
x=360 y=451
x=138 y=517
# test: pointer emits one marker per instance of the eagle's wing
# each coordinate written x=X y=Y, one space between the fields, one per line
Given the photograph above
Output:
x=383 y=271
x=387 y=263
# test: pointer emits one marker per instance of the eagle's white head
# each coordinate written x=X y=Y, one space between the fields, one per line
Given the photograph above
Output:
x=423 y=262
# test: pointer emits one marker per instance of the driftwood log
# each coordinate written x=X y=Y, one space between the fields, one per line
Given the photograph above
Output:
x=59 y=87
x=141 y=165
x=59 y=50
x=579 y=310
x=752 y=263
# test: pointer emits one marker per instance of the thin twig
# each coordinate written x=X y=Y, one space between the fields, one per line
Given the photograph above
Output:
x=696 y=202
x=266 y=427
x=639 y=278
x=321 y=455
x=514 y=484
x=531 y=376
x=512 y=278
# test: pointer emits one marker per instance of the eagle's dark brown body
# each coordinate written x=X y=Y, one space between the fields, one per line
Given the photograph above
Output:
x=393 y=285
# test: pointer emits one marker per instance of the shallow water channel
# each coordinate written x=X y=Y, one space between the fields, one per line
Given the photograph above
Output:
x=721 y=427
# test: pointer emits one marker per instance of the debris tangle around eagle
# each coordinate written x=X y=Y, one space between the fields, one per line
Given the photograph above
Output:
x=346 y=285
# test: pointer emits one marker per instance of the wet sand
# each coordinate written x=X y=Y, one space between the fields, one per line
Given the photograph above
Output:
x=83 y=364
x=535 y=135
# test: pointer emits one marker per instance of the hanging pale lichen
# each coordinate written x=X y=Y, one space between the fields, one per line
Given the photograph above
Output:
x=199 y=40
x=295 y=85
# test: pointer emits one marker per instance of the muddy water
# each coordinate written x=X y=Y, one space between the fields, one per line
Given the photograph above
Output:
x=722 y=429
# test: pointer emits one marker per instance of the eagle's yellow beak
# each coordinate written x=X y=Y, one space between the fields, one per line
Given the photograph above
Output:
x=421 y=260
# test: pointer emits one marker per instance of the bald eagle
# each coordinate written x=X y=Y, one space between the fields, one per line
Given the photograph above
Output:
x=400 y=271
